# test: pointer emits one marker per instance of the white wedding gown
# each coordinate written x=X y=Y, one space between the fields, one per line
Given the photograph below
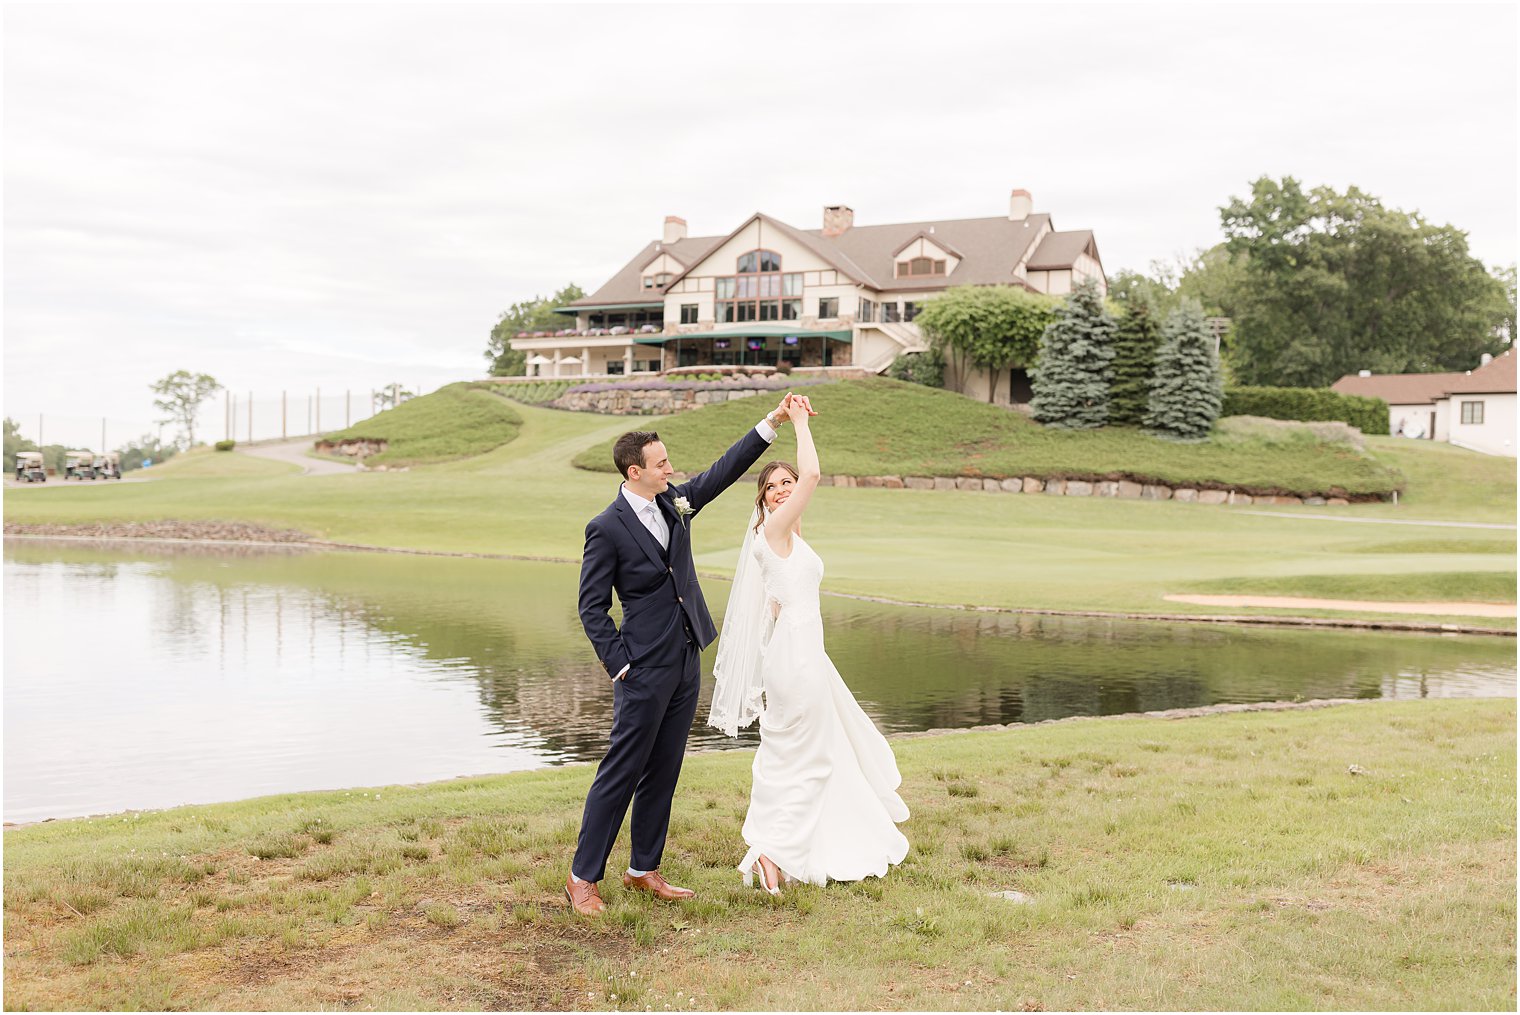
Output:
x=824 y=802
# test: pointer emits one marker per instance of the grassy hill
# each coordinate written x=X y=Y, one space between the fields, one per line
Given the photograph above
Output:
x=879 y=427
x=456 y=421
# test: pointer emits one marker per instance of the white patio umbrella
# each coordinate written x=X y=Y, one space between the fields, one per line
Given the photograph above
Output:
x=539 y=361
x=571 y=361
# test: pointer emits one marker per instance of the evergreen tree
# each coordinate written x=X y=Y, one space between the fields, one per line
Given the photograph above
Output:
x=1071 y=379
x=1135 y=343
x=1186 y=391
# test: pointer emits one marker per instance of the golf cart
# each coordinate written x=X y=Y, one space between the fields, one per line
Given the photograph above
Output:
x=29 y=467
x=78 y=465
x=108 y=465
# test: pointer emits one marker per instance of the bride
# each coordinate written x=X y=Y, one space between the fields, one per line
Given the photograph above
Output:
x=824 y=802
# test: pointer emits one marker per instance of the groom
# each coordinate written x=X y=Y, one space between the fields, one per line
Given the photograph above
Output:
x=640 y=546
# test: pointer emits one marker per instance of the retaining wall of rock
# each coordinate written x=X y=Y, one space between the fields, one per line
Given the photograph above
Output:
x=653 y=402
x=1121 y=488
x=354 y=448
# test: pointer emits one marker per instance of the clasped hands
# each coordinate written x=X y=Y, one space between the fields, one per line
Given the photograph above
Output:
x=792 y=407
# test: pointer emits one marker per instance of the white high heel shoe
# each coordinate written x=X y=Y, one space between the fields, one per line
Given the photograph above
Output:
x=757 y=870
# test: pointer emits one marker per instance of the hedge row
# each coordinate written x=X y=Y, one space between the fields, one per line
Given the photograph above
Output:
x=1369 y=415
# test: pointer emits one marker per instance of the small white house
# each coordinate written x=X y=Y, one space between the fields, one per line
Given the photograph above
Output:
x=1474 y=409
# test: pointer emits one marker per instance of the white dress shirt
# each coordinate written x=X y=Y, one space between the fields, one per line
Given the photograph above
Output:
x=654 y=520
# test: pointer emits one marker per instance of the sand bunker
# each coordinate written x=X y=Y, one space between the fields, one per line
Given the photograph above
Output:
x=1447 y=609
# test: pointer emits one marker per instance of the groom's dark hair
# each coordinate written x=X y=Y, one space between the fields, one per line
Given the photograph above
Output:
x=629 y=449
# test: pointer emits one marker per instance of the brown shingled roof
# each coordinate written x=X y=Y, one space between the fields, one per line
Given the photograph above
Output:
x=1397 y=389
x=1061 y=250
x=1496 y=377
x=627 y=286
x=988 y=248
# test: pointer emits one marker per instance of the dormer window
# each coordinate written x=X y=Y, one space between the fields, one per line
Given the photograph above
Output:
x=920 y=267
x=657 y=281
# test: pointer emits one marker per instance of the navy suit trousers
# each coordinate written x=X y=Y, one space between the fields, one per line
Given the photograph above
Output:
x=652 y=712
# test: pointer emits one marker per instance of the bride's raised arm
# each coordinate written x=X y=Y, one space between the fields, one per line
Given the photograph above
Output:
x=778 y=528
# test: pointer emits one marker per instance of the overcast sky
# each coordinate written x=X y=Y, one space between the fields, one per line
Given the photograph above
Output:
x=343 y=196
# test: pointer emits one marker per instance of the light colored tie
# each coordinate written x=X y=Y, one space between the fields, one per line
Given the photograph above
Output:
x=652 y=523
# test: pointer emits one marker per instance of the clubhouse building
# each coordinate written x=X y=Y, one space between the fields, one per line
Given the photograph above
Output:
x=840 y=297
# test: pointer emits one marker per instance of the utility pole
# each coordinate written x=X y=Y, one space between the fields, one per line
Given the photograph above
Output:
x=348 y=408
x=227 y=414
x=319 y=412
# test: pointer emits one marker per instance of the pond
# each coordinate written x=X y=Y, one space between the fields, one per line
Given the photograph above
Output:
x=146 y=677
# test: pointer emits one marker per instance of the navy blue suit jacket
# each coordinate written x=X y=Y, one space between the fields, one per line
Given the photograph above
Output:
x=657 y=587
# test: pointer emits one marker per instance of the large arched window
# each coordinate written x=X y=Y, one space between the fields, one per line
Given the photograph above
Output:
x=758 y=291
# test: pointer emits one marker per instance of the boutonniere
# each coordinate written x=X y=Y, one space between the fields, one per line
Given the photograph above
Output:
x=683 y=509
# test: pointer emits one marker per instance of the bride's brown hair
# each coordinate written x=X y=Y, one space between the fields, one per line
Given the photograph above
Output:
x=765 y=477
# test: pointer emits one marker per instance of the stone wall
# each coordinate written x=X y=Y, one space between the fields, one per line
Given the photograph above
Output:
x=360 y=449
x=1123 y=488
x=635 y=401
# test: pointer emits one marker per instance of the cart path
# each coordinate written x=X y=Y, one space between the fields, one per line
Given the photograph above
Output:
x=1380 y=521
x=1440 y=609
x=295 y=453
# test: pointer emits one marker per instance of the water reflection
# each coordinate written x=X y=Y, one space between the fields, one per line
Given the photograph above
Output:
x=147 y=677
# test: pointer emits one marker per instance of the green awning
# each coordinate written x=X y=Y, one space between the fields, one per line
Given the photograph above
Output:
x=769 y=329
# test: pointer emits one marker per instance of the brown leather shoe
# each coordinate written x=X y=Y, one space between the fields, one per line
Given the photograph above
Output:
x=584 y=898
x=657 y=886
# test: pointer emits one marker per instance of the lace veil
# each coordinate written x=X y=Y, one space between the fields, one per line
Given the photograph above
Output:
x=736 y=699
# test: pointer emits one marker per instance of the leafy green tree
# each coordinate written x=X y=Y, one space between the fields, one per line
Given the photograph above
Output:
x=180 y=395
x=536 y=314
x=1072 y=377
x=14 y=442
x=992 y=327
x=926 y=368
x=1334 y=283
x=391 y=396
x=146 y=448
x=1125 y=286
x=1214 y=278
x=1186 y=390
x=1506 y=327
x=1136 y=337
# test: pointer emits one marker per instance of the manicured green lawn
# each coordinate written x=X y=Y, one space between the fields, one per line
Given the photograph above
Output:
x=1007 y=550
x=456 y=421
x=880 y=427
x=1359 y=857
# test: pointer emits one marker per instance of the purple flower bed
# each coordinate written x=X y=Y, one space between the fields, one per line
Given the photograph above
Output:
x=728 y=384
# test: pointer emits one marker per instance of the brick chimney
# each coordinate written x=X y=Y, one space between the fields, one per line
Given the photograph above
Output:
x=1020 y=204
x=675 y=229
x=837 y=219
